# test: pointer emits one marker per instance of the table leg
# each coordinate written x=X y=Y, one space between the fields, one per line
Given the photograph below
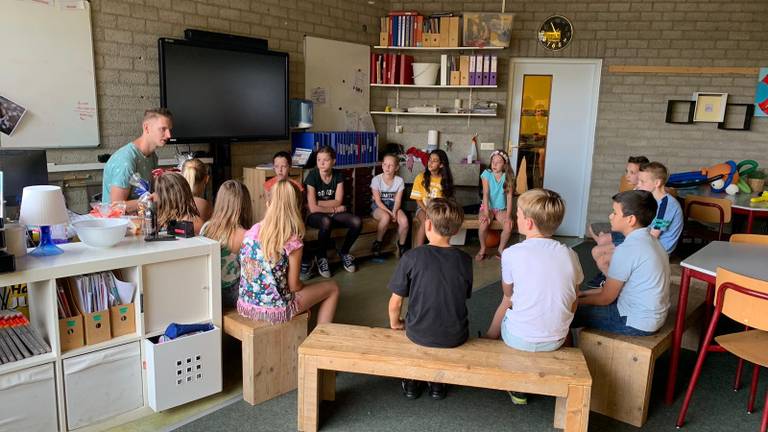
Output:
x=308 y=394
x=677 y=335
x=750 y=220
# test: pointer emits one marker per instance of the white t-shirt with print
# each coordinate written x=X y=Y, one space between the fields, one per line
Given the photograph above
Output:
x=387 y=192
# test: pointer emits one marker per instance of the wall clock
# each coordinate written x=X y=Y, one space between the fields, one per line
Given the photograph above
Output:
x=555 y=32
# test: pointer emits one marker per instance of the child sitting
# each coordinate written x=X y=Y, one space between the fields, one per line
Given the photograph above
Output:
x=497 y=200
x=437 y=279
x=281 y=164
x=668 y=224
x=325 y=200
x=435 y=182
x=601 y=232
x=634 y=300
x=175 y=201
x=540 y=279
x=232 y=216
x=387 y=191
x=270 y=258
x=196 y=173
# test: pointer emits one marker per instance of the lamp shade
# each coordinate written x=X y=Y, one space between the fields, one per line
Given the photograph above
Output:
x=43 y=205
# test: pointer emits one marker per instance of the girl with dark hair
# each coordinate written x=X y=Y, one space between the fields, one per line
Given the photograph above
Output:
x=435 y=182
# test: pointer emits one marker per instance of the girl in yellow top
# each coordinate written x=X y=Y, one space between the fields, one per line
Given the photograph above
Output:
x=435 y=182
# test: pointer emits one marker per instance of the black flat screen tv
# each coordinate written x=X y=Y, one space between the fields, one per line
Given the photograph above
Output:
x=222 y=93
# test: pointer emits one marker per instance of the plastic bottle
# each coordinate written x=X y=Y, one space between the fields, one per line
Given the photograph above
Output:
x=150 y=221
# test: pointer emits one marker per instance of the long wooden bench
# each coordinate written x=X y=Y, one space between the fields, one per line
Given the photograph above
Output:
x=269 y=352
x=622 y=366
x=364 y=244
x=471 y=222
x=478 y=363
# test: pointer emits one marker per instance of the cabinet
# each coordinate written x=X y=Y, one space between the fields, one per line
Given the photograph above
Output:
x=97 y=386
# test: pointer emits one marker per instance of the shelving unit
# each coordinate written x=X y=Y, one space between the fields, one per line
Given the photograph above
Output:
x=463 y=48
x=440 y=114
x=435 y=86
x=84 y=387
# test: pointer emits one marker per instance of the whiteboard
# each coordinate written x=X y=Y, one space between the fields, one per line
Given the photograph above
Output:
x=336 y=80
x=47 y=67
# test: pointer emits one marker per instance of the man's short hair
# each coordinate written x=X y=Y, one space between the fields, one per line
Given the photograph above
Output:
x=657 y=170
x=282 y=154
x=545 y=207
x=639 y=160
x=446 y=216
x=638 y=203
x=154 y=113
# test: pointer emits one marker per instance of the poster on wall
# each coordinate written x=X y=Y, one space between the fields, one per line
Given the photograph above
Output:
x=761 y=94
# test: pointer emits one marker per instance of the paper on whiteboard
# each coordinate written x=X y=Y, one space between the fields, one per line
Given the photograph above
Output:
x=361 y=78
x=319 y=96
x=72 y=4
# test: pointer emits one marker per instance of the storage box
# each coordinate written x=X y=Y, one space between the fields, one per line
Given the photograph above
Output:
x=122 y=319
x=459 y=238
x=182 y=370
x=97 y=328
x=71 y=334
x=28 y=400
x=102 y=384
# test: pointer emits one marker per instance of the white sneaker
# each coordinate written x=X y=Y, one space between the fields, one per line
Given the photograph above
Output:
x=349 y=263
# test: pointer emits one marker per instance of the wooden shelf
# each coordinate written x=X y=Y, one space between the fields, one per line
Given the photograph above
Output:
x=113 y=342
x=436 y=86
x=436 y=48
x=440 y=114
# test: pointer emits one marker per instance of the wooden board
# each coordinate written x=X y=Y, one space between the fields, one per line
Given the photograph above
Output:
x=688 y=70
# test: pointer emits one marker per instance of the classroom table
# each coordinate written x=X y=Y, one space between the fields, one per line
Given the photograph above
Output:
x=740 y=203
x=743 y=258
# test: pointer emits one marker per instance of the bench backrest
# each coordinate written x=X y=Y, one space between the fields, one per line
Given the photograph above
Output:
x=479 y=362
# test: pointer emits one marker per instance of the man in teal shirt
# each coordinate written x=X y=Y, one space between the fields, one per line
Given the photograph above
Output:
x=136 y=157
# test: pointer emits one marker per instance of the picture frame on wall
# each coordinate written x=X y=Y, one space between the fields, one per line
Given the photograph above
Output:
x=483 y=29
x=10 y=115
x=710 y=107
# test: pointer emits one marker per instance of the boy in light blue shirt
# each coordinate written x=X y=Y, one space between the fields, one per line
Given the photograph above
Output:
x=668 y=224
x=634 y=300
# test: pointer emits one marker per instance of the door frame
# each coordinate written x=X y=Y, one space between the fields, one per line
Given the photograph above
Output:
x=513 y=119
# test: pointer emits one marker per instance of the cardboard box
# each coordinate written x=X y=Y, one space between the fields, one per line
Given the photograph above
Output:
x=71 y=333
x=122 y=319
x=454 y=37
x=445 y=25
x=97 y=328
x=455 y=78
x=384 y=39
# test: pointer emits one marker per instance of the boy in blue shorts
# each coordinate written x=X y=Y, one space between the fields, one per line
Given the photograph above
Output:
x=634 y=300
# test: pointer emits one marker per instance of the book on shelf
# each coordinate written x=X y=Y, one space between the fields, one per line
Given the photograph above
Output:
x=411 y=29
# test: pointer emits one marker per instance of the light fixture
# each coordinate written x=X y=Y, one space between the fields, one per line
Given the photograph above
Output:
x=43 y=206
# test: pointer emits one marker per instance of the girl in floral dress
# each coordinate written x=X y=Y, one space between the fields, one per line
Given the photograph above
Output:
x=270 y=261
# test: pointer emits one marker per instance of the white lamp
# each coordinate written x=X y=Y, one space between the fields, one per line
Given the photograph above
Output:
x=43 y=206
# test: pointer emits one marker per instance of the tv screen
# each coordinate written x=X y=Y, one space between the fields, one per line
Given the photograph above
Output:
x=21 y=168
x=219 y=92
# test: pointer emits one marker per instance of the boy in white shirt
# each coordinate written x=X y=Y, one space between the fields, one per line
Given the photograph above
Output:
x=540 y=278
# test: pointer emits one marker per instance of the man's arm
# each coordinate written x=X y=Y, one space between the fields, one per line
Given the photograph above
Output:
x=606 y=296
x=494 y=331
x=118 y=194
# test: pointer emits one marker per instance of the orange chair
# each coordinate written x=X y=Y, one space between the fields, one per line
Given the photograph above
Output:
x=705 y=210
x=744 y=300
x=624 y=185
x=750 y=238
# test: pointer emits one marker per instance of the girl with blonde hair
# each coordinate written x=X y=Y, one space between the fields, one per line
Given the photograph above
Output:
x=175 y=201
x=270 y=258
x=232 y=216
x=196 y=174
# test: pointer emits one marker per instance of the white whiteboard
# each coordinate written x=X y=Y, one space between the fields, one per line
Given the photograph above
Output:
x=336 y=80
x=47 y=67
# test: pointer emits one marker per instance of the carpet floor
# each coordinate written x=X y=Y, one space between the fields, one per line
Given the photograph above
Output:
x=368 y=403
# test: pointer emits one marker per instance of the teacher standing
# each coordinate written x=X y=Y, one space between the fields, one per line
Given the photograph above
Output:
x=137 y=156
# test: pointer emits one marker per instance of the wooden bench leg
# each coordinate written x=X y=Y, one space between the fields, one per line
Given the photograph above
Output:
x=327 y=385
x=572 y=412
x=308 y=394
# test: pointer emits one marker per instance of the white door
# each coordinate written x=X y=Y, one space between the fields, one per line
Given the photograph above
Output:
x=557 y=135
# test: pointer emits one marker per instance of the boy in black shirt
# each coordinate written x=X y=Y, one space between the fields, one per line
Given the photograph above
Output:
x=437 y=278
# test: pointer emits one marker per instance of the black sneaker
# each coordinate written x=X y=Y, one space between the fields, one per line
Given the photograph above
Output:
x=306 y=271
x=323 y=268
x=401 y=249
x=376 y=249
x=437 y=391
x=349 y=263
x=597 y=281
x=411 y=388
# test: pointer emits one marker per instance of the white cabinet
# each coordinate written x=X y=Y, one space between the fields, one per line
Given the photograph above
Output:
x=97 y=386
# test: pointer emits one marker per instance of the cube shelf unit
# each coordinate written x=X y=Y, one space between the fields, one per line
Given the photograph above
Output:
x=102 y=385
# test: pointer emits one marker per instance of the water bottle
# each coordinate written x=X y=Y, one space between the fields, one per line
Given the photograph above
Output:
x=150 y=221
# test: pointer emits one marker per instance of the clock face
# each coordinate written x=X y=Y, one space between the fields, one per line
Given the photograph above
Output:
x=555 y=33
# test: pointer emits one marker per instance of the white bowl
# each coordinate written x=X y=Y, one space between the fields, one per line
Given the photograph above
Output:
x=101 y=232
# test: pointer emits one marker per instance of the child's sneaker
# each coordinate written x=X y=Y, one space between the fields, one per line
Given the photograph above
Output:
x=376 y=249
x=411 y=388
x=597 y=281
x=306 y=271
x=401 y=249
x=349 y=263
x=437 y=391
x=518 y=398
x=323 y=268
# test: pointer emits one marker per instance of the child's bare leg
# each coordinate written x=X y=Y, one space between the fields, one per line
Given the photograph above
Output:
x=482 y=233
x=506 y=231
x=384 y=218
x=402 y=227
x=421 y=233
x=326 y=293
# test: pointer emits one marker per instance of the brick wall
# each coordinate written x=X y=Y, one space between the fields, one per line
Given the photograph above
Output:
x=631 y=110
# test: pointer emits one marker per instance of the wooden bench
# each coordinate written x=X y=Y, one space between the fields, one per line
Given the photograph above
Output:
x=471 y=222
x=478 y=363
x=269 y=352
x=363 y=245
x=622 y=366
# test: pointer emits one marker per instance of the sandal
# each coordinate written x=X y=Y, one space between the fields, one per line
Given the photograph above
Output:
x=480 y=256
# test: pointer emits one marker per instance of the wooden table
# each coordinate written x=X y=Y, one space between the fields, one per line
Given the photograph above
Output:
x=743 y=258
x=740 y=203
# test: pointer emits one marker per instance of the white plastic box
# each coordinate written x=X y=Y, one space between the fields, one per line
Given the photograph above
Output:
x=183 y=370
x=103 y=384
x=28 y=400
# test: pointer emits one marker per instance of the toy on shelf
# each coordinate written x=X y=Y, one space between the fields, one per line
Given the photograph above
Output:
x=761 y=198
x=725 y=177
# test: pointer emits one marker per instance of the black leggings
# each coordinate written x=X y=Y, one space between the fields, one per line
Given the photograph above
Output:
x=325 y=222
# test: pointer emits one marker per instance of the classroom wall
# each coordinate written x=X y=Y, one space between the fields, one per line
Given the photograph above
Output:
x=632 y=106
x=125 y=34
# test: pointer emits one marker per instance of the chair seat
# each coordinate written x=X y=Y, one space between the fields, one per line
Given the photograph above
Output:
x=750 y=345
